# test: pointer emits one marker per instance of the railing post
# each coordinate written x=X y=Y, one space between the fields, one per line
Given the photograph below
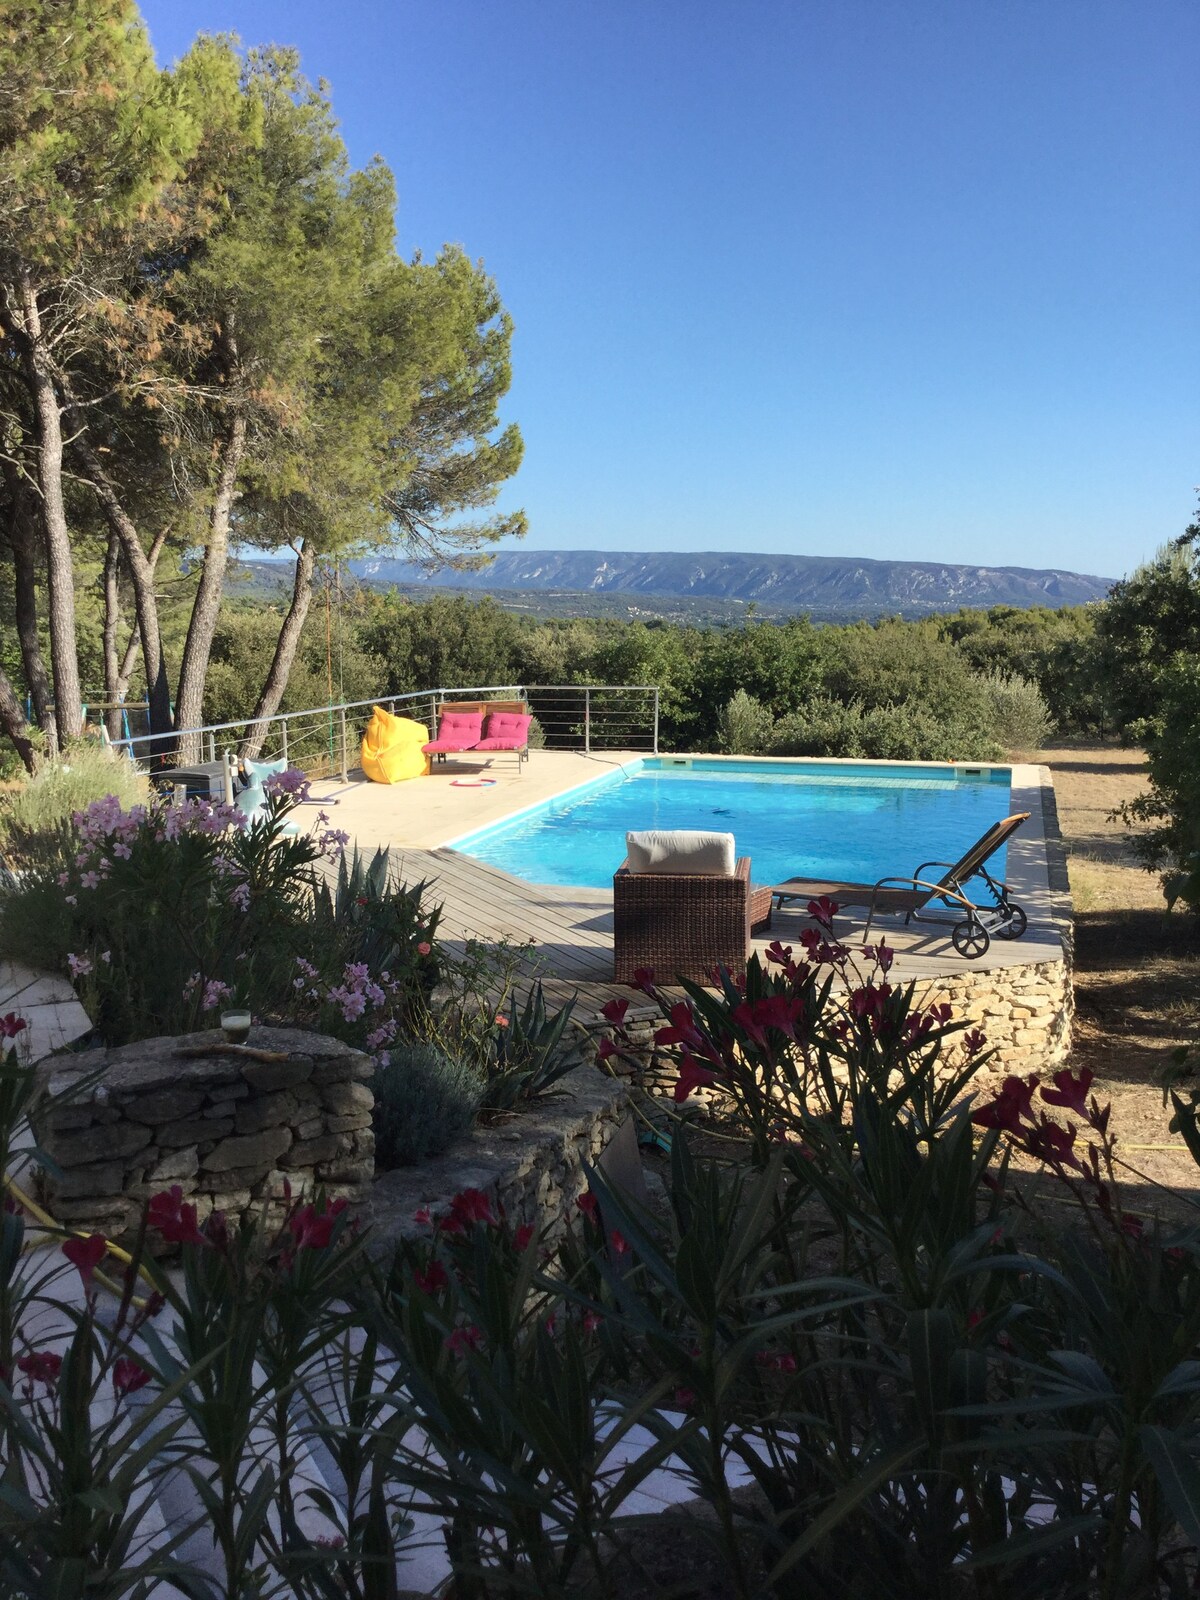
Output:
x=587 y=722
x=433 y=716
x=283 y=738
x=656 y=720
x=345 y=762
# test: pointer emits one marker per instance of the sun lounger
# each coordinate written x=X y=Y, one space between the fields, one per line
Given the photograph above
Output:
x=975 y=922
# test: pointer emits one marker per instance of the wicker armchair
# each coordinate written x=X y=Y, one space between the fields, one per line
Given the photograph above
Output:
x=682 y=926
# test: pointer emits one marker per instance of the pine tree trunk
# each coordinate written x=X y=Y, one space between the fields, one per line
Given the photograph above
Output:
x=189 y=702
x=112 y=621
x=22 y=540
x=141 y=576
x=60 y=573
x=285 y=652
x=13 y=723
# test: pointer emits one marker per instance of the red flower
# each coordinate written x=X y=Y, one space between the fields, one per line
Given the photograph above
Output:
x=605 y=1049
x=472 y=1205
x=1014 y=1101
x=86 y=1254
x=422 y=1217
x=974 y=1041
x=432 y=1279
x=174 y=1219
x=643 y=979
x=685 y=1398
x=591 y=1321
x=823 y=910
x=587 y=1204
x=1054 y=1145
x=10 y=1026
x=692 y=1076
x=1070 y=1091
x=778 y=1011
x=615 y=1011
x=619 y=1243
x=128 y=1375
x=41 y=1366
x=777 y=1362
x=683 y=1029
x=464 y=1339
x=522 y=1237
x=312 y=1229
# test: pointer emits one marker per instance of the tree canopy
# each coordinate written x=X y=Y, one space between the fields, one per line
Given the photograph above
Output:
x=208 y=337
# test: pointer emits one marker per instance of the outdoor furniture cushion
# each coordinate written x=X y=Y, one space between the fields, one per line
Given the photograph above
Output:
x=392 y=748
x=505 y=731
x=259 y=771
x=683 y=851
x=457 y=730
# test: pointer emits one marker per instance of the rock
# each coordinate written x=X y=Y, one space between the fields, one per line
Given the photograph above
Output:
x=202 y=1131
x=345 y=1099
x=121 y=1139
x=176 y=1164
x=244 y=1150
x=168 y=1105
x=265 y=1111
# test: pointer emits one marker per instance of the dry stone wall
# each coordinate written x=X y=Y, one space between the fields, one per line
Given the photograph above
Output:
x=231 y=1131
x=531 y=1164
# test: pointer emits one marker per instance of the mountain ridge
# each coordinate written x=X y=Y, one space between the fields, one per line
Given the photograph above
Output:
x=848 y=584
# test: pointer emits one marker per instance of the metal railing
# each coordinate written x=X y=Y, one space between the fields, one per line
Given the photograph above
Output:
x=325 y=739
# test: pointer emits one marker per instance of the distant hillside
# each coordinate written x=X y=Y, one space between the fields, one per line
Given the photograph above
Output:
x=826 y=586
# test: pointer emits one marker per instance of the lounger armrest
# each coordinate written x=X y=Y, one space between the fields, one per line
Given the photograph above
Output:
x=925 y=865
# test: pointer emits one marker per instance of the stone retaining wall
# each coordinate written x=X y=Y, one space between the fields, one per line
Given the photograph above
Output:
x=1024 y=1013
x=124 y=1124
x=531 y=1164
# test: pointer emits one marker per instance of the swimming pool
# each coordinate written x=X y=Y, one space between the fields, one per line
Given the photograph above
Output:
x=860 y=821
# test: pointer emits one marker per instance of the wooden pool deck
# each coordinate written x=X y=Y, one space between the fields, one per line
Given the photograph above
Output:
x=570 y=929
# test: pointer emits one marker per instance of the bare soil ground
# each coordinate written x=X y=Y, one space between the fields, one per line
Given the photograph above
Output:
x=1137 y=978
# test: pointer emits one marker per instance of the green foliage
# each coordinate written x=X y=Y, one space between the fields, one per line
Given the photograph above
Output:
x=423 y=1100
x=531 y=1052
x=909 y=731
x=745 y=726
x=1151 y=628
x=1018 y=716
x=35 y=821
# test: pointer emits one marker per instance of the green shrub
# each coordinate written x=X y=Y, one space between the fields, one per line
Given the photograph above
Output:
x=822 y=727
x=745 y=726
x=908 y=731
x=1019 y=716
x=423 y=1098
x=35 y=822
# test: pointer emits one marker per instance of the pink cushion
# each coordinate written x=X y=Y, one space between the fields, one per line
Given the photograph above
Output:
x=506 y=730
x=457 y=730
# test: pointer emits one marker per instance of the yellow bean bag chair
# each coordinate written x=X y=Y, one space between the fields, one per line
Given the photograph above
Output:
x=391 y=748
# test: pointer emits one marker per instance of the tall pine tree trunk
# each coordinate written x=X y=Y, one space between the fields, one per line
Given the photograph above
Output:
x=285 y=651
x=112 y=622
x=60 y=574
x=189 y=701
x=145 y=601
x=13 y=723
x=22 y=541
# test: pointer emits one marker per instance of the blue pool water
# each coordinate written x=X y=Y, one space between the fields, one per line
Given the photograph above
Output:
x=857 y=821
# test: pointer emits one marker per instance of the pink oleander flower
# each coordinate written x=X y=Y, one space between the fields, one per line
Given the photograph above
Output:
x=424 y=948
x=614 y=1011
x=464 y=1339
x=174 y=1218
x=11 y=1025
x=40 y=1366
x=86 y=1255
x=692 y=1076
x=1013 y=1104
x=128 y=1375
x=1070 y=1091
x=434 y=1277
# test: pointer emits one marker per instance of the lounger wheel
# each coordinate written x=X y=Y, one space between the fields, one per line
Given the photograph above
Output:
x=1014 y=924
x=970 y=939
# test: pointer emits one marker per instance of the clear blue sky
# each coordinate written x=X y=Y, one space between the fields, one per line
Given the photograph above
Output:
x=894 y=278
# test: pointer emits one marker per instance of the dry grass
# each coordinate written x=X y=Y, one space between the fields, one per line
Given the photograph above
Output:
x=1137 y=966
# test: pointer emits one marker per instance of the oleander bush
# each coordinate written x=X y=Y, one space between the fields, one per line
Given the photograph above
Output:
x=884 y=1360
x=162 y=914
